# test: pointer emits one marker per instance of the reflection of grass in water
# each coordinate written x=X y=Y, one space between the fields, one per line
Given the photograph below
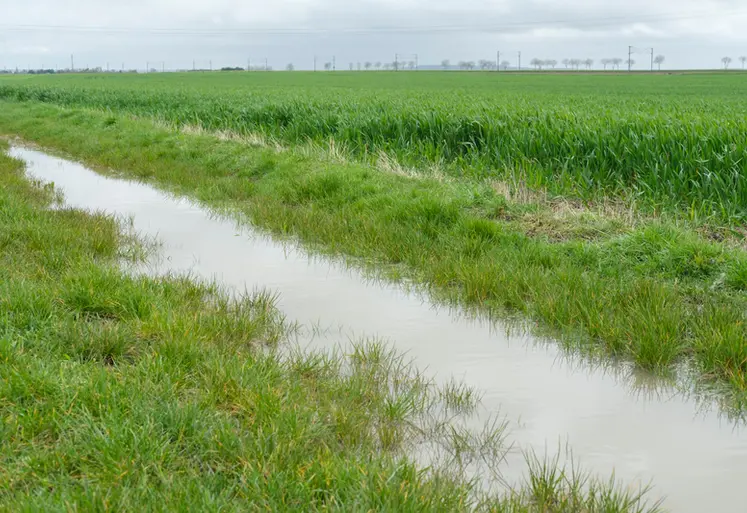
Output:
x=552 y=486
x=133 y=393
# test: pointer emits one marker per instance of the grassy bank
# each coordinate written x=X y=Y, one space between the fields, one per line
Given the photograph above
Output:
x=649 y=291
x=670 y=142
x=130 y=394
x=133 y=394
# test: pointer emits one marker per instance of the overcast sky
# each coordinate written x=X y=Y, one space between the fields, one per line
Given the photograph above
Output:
x=691 y=34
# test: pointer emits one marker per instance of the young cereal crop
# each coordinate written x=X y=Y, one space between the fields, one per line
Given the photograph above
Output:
x=668 y=142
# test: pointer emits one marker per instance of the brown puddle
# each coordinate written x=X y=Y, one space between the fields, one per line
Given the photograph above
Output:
x=612 y=418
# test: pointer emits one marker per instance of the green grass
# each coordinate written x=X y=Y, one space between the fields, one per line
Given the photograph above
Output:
x=129 y=393
x=652 y=292
x=668 y=142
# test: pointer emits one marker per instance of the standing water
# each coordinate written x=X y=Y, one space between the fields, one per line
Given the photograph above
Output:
x=612 y=420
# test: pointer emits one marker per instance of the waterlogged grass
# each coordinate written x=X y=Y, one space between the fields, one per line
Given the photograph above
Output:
x=670 y=142
x=652 y=292
x=133 y=394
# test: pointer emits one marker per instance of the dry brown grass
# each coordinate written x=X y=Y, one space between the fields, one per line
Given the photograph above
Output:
x=560 y=219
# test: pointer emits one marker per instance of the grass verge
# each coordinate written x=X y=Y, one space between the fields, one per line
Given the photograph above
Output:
x=656 y=292
x=132 y=394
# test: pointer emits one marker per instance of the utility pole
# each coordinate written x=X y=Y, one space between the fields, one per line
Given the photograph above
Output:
x=267 y=68
x=194 y=65
x=107 y=67
x=147 y=66
x=211 y=64
x=652 y=59
x=498 y=61
x=72 y=64
x=334 y=63
x=163 y=66
x=417 y=66
x=519 y=61
x=396 y=62
x=248 y=64
x=630 y=56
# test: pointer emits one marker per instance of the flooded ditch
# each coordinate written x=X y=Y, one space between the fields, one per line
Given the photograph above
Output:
x=613 y=418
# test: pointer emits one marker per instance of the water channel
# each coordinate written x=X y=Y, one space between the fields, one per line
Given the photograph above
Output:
x=612 y=418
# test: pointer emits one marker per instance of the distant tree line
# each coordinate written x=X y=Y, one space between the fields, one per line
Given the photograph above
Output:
x=546 y=64
x=49 y=71
x=726 y=61
x=368 y=66
x=483 y=64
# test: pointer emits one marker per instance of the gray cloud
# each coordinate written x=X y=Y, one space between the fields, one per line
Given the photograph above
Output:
x=691 y=33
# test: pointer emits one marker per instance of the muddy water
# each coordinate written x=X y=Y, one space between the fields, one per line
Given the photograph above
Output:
x=613 y=419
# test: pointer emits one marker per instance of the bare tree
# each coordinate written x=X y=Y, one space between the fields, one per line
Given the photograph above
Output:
x=630 y=62
x=378 y=65
x=589 y=63
x=327 y=66
x=743 y=60
x=726 y=61
x=290 y=67
x=566 y=62
x=605 y=63
x=659 y=60
x=411 y=65
x=616 y=62
x=505 y=65
x=445 y=64
x=367 y=65
x=575 y=63
x=537 y=63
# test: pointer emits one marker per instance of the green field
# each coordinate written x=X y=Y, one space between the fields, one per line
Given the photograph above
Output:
x=659 y=286
x=604 y=210
x=664 y=141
